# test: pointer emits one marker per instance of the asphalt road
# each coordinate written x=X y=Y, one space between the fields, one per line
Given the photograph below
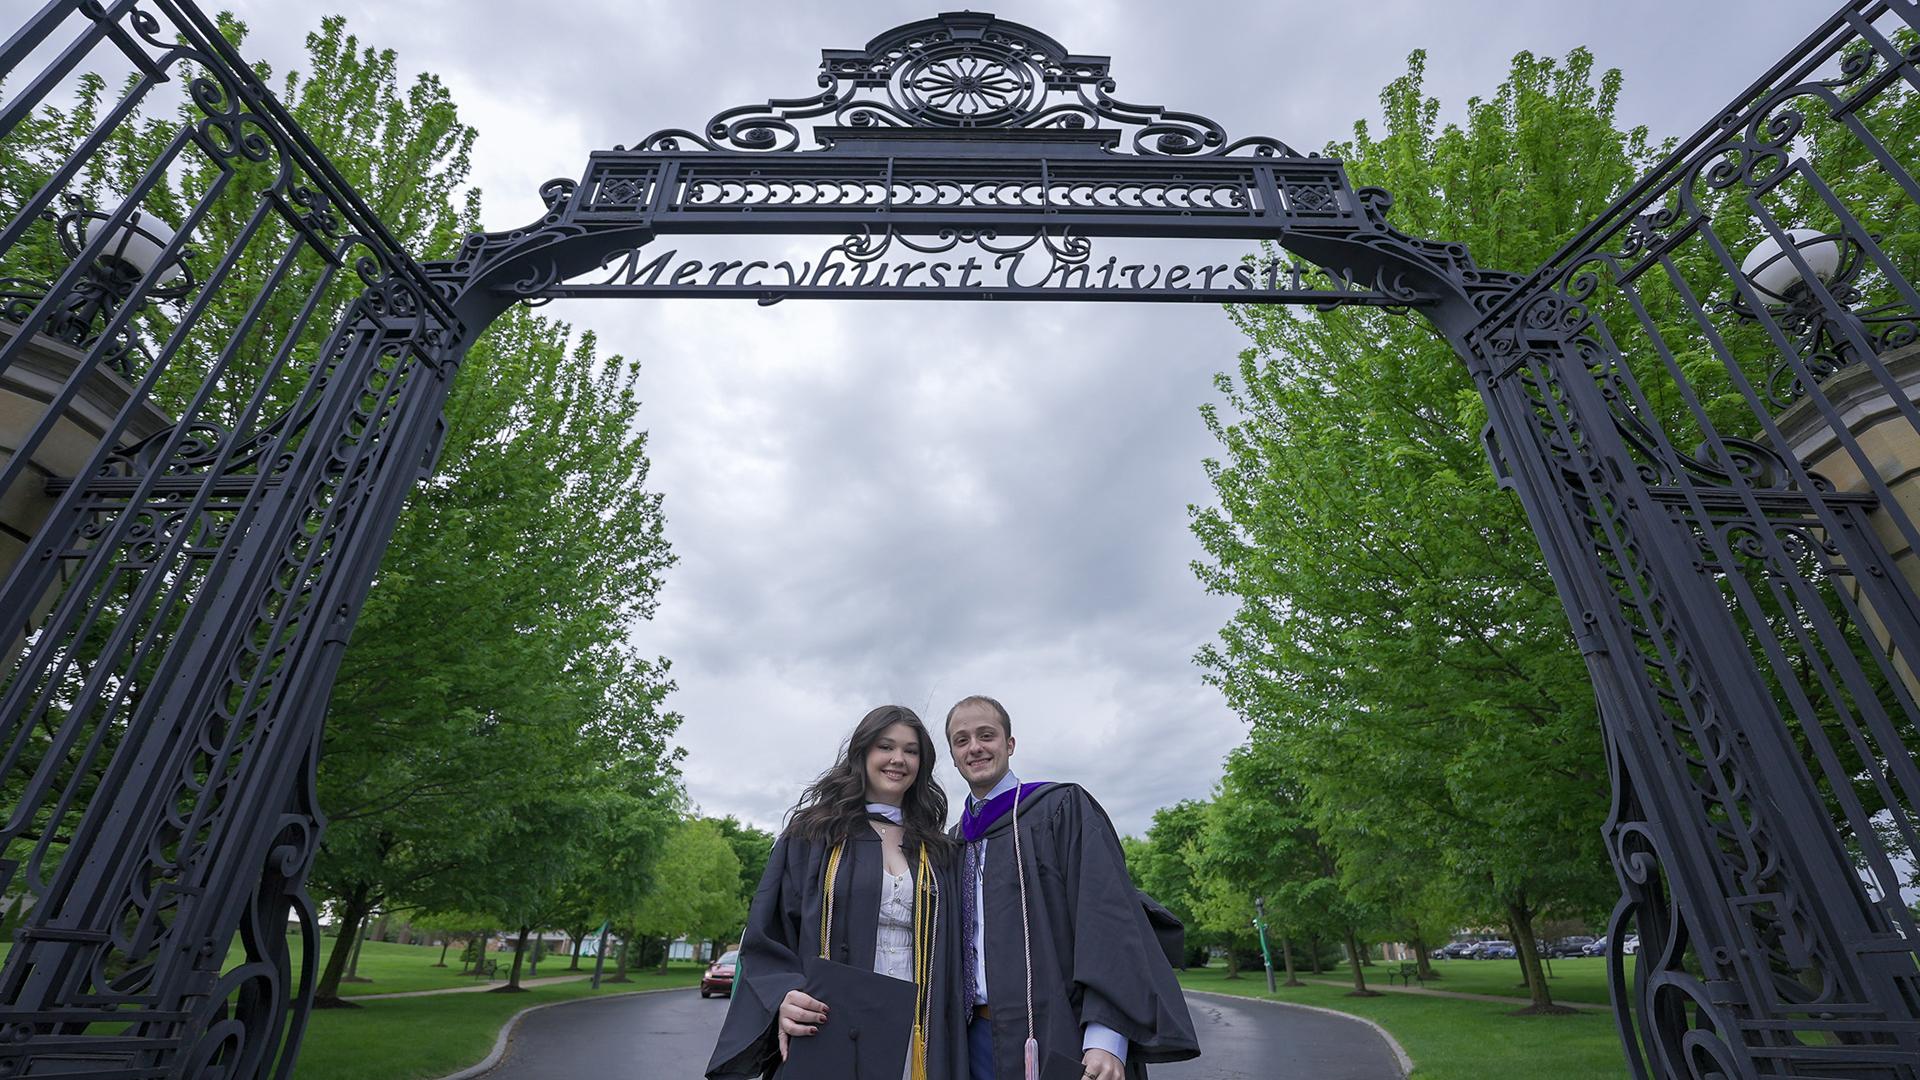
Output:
x=669 y=1035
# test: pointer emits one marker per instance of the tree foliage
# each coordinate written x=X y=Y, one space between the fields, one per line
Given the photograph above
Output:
x=1398 y=644
x=695 y=890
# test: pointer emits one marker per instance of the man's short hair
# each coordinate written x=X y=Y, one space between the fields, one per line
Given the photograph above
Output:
x=1006 y=722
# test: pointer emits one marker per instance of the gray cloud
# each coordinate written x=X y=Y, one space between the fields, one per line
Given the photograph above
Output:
x=913 y=502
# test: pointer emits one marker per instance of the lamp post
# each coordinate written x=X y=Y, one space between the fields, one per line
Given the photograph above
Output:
x=1825 y=332
x=131 y=250
x=600 y=954
x=1260 y=924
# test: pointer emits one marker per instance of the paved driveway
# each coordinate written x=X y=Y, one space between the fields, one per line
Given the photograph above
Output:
x=669 y=1035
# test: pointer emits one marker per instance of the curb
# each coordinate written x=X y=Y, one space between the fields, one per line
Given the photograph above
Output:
x=1399 y=1052
x=1458 y=995
x=506 y=1029
x=481 y=989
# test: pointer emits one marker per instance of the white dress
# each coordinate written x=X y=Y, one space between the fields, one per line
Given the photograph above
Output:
x=893 y=943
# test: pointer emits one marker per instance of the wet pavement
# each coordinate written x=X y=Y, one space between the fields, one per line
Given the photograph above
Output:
x=669 y=1035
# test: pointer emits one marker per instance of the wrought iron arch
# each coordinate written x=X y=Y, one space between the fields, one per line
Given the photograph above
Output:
x=186 y=591
x=967 y=129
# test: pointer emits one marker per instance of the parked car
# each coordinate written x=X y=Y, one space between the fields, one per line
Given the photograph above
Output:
x=1453 y=950
x=1569 y=946
x=1596 y=947
x=1631 y=946
x=1490 y=950
x=718 y=981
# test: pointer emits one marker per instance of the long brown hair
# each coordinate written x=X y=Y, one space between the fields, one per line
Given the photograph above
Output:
x=836 y=801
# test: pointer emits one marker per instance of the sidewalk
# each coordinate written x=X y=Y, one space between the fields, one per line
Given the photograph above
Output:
x=476 y=988
x=1517 y=1002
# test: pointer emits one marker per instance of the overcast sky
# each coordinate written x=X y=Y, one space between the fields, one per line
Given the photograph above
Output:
x=911 y=502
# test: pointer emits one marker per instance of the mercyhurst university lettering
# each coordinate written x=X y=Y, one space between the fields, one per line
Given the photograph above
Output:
x=1007 y=270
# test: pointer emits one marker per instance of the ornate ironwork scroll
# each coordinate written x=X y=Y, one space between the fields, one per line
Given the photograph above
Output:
x=964 y=72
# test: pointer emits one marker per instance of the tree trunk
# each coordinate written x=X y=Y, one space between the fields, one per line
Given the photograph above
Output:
x=666 y=955
x=353 y=962
x=1366 y=955
x=1286 y=954
x=1359 y=976
x=579 y=939
x=480 y=954
x=1519 y=952
x=1313 y=955
x=1542 y=998
x=620 y=972
x=1233 y=963
x=352 y=913
x=1419 y=944
x=445 y=940
x=519 y=951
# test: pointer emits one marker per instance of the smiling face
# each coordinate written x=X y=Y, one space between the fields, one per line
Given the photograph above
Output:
x=893 y=761
x=981 y=746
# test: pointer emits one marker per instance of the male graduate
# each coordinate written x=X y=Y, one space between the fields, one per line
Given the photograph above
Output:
x=1058 y=952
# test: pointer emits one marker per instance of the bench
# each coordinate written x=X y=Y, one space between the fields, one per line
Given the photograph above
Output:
x=486 y=970
x=1409 y=972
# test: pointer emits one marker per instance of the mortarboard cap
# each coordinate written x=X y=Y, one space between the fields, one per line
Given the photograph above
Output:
x=868 y=1031
x=1059 y=1066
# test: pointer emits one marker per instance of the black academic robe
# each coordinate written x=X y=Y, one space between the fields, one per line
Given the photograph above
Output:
x=783 y=929
x=1095 y=957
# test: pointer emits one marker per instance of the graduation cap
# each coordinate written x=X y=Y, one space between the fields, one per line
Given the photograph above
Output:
x=868 y=1031
x=1059 y=1066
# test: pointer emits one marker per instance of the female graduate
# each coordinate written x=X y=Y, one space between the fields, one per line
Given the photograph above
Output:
x=866 y=859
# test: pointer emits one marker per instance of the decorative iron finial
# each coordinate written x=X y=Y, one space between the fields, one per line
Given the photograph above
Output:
x=963 y=71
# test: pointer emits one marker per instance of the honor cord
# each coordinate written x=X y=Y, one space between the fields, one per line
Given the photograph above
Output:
x=1032 y=1047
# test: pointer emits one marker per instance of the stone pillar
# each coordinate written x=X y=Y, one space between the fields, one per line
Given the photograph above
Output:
x=27 y=387
x=1891 y=444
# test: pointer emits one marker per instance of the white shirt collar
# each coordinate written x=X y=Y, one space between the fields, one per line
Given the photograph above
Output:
x=891 y=813
x=1007 y=783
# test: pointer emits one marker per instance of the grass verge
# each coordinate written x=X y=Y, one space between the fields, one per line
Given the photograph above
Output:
x=1451 y=1039
x=1575 y=979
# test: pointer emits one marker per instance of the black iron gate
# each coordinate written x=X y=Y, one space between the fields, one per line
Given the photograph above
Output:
x=1715 y=448
x=1707 y=404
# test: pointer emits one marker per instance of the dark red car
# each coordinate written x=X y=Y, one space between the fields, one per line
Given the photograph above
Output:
x=719 y=977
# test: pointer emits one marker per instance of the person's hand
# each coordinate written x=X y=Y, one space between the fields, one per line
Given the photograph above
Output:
x=801 y=1016
x=1101 y=1065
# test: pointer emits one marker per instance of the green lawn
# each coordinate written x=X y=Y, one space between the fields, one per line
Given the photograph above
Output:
x=424 y=1037
x=1450 y=1039
x=399 y=968
x=1577 y=980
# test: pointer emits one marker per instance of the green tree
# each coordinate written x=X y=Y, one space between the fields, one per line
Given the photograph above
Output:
x=752 y=847
x=1257 y=841
x=1396 y=626
x=1136 y=852
x=1165 y=872
x=695 y=888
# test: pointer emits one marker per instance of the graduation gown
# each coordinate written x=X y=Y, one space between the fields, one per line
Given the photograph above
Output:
x=1095 y=956
x=783 y=929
